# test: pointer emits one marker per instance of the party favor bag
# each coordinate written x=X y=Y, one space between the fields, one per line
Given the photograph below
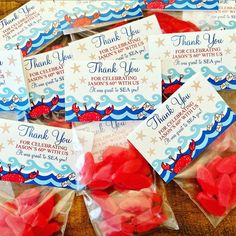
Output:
x=211 y=181
x=122 y=195
x=33 y=211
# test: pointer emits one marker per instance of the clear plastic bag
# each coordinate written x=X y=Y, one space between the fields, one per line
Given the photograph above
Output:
x=122 y=194
x=210 y=181
x=33 y=211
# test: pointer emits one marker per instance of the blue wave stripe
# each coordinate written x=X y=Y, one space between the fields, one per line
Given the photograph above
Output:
x=105 y=101
x=104 y=16
x=116 y=115
x=47 y=175
x=220 y=25
x=188 y=5
x=39 y=41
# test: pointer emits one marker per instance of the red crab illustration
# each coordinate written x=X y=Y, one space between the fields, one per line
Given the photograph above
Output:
x=17 y=177
x=157 y=4
x=42 y=109
x=26 y=48
x=91 y=115
x=183 y=161
x=169 y=89
x=83 y=21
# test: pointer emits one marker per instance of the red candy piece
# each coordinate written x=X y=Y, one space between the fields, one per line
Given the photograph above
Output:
x=170 y=24
x=133 y=205
x=132 y=181
x=145 y=216
x=131 y=166
x=52 y=228
x=233 y=196
x=233 y=178
x=118 y=233
x=211 y=205
x=3 y=214
x=226 y=166
x=16 y=224
x=26 y=199
x=106 y=202
x=151 y=224
x=5 y=231
x=99 y=184
x=103 y=173
x=127 y=228
x=225 y=189
x=211 y=166
x=206 y=181
x=45 y=210
x=88 y=168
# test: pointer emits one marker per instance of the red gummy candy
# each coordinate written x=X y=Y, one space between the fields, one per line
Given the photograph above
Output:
x=113 y=152
x=45 y=212
x=99 y=184
x=88 y=168
x=52 y=228
x=131 y=166
x=135 y=205
x=11 y=206
x=211 y=166
x=16 y=224
x=151 y=224
x=28 y=197
x=118 y=219
x=170 y=24
x=206 y=181
x=225 y=189
x=233 y=196
x=127 y=228
x=226 y=166
x=105 y=201
x=233 y=178
x=3 y=214
x=132 y=181
x=210 y=204
x=104 y=173
x=6 y=231
x=118 y=233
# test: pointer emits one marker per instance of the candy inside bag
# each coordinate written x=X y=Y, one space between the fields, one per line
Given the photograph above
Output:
x=210 y=181
x=33 y=211
x=122 y=195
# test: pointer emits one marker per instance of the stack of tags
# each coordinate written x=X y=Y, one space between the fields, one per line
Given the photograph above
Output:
x=121 y=74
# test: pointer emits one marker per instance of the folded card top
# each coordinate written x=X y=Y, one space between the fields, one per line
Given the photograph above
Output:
x=182 y=127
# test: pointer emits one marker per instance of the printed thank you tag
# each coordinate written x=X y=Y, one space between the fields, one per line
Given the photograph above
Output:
x=43 y=155
x=182 y=127
x=111 y=90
